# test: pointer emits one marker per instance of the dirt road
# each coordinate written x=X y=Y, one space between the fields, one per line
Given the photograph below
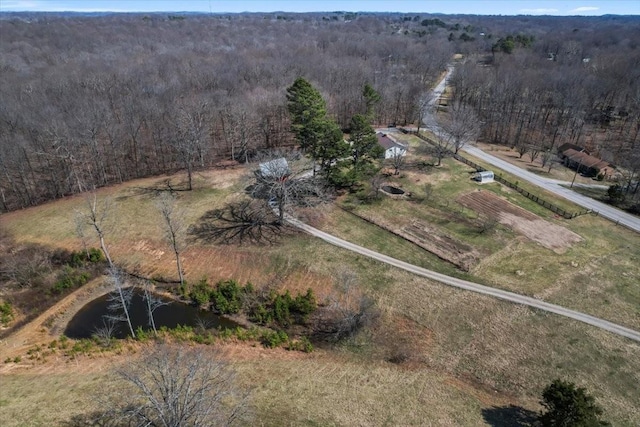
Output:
x=470 y=286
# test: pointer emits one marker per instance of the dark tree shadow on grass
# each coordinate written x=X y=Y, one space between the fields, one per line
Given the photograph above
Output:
x=164 y=186
x=248 y=221
x=509 y=416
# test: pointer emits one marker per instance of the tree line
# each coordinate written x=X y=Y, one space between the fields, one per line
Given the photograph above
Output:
x=90 y=101
x=580 y=85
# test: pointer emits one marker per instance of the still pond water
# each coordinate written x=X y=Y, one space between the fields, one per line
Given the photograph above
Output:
x=91 y=316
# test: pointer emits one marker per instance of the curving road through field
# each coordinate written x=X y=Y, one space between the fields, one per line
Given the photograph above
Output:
x=550 y=185
x=469 y=286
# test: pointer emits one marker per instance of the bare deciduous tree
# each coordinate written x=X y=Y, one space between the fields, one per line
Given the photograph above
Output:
x=522 y=149
x=441 y=144
x=174 y=228
x=105 y=332
x=113 y=119
x=548 y=159
x=283 y=179
x=346 y=311
x=398 y=159
x=96 y=216
x=461 y=124
x=120 y=300
x=152 y=303
x=534 y=152
x=190 y=137
x=178 y=386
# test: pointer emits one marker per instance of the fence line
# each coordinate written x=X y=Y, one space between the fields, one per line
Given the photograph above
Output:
x=559 y=211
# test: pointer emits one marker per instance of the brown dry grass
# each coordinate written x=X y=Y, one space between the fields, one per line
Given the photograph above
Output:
x=517 y=350
x=467 y=352
x=134 y=214
x=341 y=392
x=322 y=388
x=39 y=399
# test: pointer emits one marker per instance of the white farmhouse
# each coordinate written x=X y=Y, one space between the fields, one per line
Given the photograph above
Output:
x=392 y=148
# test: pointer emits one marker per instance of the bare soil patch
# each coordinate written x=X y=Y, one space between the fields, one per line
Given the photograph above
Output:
x=441 y=244
x=431 y=239
x=549 y=235
x=50 y=324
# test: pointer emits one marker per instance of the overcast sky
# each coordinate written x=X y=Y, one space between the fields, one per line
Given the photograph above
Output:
x=493 y=7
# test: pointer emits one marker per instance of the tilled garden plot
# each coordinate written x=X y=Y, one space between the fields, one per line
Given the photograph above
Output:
x=551 y=236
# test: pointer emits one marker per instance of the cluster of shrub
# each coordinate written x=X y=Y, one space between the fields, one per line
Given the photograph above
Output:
x=35 y=277
x=62 y=345
x=267 y=337
x=271 y=309
x=74 y=271
x=6 y=313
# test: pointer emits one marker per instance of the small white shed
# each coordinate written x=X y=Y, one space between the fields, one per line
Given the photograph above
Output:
x=484 y=177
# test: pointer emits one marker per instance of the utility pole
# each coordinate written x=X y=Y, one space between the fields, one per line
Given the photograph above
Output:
x=575 y=174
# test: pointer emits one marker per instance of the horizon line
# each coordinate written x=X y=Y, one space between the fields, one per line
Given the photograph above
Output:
x=130 y=12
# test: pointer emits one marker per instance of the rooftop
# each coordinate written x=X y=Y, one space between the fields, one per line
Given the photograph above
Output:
x=585 y=159
x=387 y=142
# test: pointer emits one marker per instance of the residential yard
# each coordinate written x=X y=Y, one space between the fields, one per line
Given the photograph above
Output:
x=436 y=354
x=558 y=171
x=594 y=271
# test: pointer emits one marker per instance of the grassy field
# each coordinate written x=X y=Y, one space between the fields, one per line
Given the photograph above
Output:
x=287 y=389
x=469 y=360
x=598 y=275
x=34 y=399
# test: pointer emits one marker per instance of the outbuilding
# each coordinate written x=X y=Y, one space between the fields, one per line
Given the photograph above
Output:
x=392 y=149
x=483 y=177
x=276 y=169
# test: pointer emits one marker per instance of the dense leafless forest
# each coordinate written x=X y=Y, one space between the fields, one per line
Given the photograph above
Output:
x=579 y=84
x=86 y=101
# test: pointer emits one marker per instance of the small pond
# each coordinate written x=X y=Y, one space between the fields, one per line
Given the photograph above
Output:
x=392 y=190
x=84 y=323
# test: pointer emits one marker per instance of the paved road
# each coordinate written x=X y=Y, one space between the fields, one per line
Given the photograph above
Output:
x=436 y=92
x=470 y=286
x=554 y=187
x=431 y=100
x=475 y=287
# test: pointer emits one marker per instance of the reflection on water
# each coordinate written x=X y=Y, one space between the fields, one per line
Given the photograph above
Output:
x=176 y=313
